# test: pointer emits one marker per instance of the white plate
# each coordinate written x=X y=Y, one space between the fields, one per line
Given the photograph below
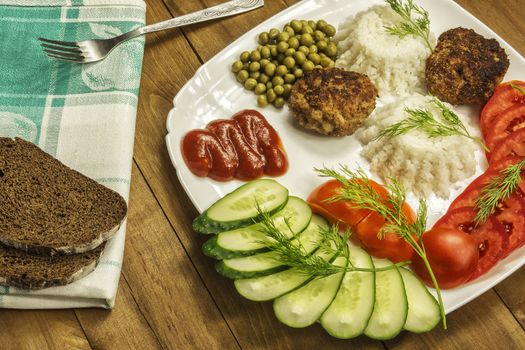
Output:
x=213 y=93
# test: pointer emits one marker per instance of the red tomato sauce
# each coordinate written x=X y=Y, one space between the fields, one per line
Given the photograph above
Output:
x=245 y=147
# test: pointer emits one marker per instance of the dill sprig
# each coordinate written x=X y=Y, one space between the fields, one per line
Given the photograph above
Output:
x=516 y=87
x=498 y=189
x=416 y=21
x=424 y=120
x=357 y=189
x=291 y=252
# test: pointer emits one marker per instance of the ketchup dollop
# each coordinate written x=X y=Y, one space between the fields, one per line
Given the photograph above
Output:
x=243 y=147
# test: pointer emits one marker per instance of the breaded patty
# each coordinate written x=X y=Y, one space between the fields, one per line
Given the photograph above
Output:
x=332 y=101
x=465 y=68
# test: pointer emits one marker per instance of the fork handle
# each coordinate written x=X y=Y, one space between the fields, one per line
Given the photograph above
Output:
x=222 y=10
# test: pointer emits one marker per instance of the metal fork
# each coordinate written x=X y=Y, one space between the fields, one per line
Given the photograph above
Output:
x=97 y=49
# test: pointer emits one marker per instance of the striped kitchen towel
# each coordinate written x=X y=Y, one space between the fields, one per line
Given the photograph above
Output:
x=84 y=115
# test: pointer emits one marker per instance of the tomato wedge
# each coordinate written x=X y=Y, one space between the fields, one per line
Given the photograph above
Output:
x=342 y=213
x=452 y=254
x=490 y=236
x=505 y=96
x=512 y=145
x=364 y=223
x=509 y=121
x=390 y=245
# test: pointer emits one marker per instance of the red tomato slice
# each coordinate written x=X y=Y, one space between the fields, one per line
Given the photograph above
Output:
x=505 y=96
x=510 y=214
x=342 y=213
x=490 y=236
x=512 y=145
x=504 y=124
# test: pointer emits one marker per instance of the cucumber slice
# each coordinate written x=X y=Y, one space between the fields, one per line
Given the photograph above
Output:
x=303 y=306
x=267 y=263
x=247 y=241
x=239 y=208
x=391 y=305
x=348 y=315
x=423 y=308
x=273 y=286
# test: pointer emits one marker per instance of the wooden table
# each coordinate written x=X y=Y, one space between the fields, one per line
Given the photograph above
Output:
x=170 y=296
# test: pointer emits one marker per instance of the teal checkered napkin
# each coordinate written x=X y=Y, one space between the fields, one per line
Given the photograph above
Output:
x=82 y=114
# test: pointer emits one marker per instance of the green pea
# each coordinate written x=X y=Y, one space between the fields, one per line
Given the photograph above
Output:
x=331 y=65
x=245 y=56
x=264 y=38
x=281 y=70
x=288 y=29
x=307 y=40
x=319 y=35
x=298 y=73
x=312 y=49
x=321 y=24
x=283 y=36
x=269 y=69
x=287 y=89
x=236 y=66
x=263 y=78
x=289 y=62
x=265 y=52
x=312 y=24
x=331 y=50
x=289 y=53
x=270 y=95
x=307 y=29
x=279 y=90
x=304 y=50
x=325 y=61
x=282 y=46
x=264 y=62
x=262 y=101
x=315 y=58
x=250 y=83
x=255 y=75
x=280 y=57
x=246 y=65
x=269 y=85
x=321 y=45
x=329 y=30
x=279 y=102
x=296 y=25
x=276 y=81
x=273 y=50
x=293 y=42
x=255 y=66
x=299 y=57
x=308 y=66
x=255 y=55
x=242 y=76
x=273 y=33
x=289 y=78
x=260 y=89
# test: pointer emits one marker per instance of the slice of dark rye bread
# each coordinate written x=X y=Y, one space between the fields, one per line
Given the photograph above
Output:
x=27 y=271
x=47 y=208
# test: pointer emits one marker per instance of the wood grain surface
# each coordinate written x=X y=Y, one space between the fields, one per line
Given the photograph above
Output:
x=170 y=296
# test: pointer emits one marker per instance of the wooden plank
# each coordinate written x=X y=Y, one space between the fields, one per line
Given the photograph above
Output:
x=254 y=324
x=506 y=20
x=125 y=325
x=163 y=281
x=210 y=37
x=41 y=329
x=484 y=323
x=511 y=292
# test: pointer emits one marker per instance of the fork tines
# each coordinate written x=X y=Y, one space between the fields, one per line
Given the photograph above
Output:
x=62 y=50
